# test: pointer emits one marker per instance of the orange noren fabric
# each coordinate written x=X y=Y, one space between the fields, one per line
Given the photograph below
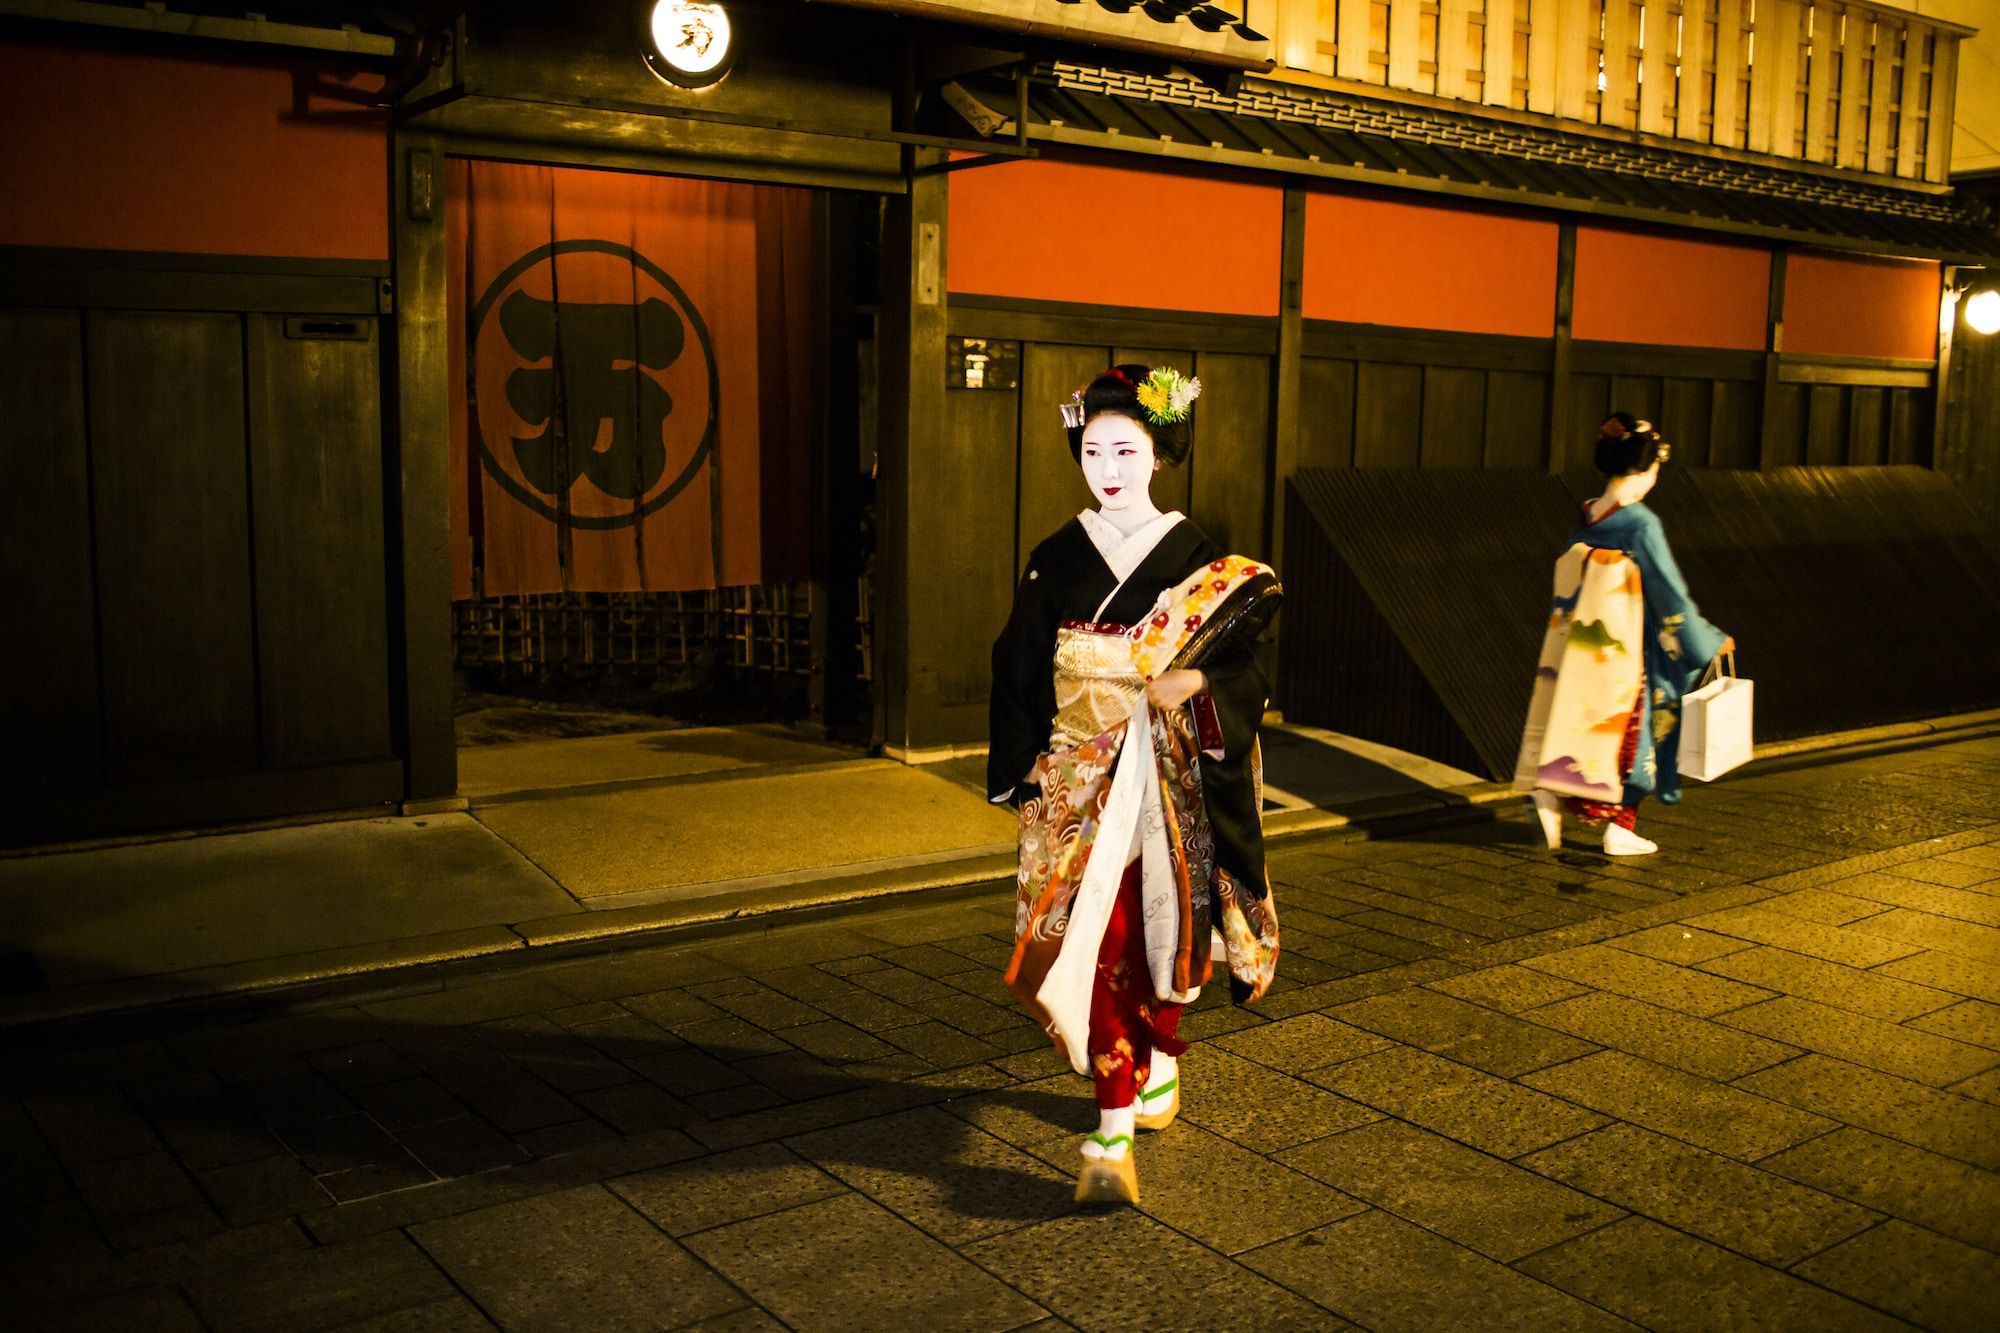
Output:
x=120 y=150
x=1653 y=289
x=1428 y=266
x=619 y=349
x=1850 y=305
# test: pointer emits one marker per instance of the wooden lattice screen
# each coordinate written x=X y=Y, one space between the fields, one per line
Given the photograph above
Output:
x=1837 y=82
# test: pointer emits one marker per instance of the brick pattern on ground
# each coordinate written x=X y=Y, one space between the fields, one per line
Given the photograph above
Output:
x=1752 y=1080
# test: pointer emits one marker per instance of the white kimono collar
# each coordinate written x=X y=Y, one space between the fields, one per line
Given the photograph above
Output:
x=1122 y=553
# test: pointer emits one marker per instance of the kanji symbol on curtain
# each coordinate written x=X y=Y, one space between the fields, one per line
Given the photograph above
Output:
x=628 y=356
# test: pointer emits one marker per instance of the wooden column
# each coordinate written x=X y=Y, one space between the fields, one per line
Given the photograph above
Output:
x=912 y=587
x=1774 y=350
x=836 y=532
x=419 y=492
x=1291 y=341
x=1560 y=425
x=1942 y=453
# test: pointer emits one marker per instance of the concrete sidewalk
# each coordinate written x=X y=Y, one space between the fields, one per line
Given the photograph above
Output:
x=578 y=844
x=1750 y=1082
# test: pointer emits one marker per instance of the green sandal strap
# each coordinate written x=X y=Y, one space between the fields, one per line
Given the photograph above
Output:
x=1149 y=1094
x=1112 y=1142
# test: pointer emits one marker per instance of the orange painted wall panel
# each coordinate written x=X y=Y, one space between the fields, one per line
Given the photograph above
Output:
x=118 y=150
x=1057 y=230
x=1847 y=305
x=1651 y=289
x=1428 y=266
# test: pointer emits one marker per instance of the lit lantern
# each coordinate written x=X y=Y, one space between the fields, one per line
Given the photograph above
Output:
x=690 y=45
x=1982 y=310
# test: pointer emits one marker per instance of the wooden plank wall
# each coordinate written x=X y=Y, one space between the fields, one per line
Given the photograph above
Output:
x=192 y=535
x=1843 y=82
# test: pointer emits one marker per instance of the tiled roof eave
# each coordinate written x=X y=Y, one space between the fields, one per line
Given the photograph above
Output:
x=1853 y=229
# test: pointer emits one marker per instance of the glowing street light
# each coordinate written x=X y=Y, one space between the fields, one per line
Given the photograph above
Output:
x=690 y=45
x=1982 y=310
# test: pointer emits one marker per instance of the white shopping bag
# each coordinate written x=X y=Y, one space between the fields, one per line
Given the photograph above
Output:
x=1715 y=725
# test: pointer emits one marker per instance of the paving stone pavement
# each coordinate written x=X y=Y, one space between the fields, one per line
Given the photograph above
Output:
x=1750 y=1082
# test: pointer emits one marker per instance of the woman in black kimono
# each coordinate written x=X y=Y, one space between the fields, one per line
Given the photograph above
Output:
x=1132 y=636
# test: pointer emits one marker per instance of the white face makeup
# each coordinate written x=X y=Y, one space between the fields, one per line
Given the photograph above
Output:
x=1118 y=463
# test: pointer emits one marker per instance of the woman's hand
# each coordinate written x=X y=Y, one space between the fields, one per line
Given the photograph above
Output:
x=1728 y=645
x=1171 y=689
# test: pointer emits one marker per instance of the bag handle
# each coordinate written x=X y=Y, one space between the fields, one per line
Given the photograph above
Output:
x=1722 y=664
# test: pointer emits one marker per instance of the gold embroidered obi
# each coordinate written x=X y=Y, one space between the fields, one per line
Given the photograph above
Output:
x=1097 y=685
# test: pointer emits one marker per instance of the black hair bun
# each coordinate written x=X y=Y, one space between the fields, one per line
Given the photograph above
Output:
x=1115 y=393
x=1626 y=444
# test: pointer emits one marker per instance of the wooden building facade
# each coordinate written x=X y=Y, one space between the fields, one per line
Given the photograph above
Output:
x=233 y=315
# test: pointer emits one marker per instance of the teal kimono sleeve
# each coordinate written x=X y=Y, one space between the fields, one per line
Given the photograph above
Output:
x=1686 y=637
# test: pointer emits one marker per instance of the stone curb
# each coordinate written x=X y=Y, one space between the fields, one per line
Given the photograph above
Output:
x=424 y=963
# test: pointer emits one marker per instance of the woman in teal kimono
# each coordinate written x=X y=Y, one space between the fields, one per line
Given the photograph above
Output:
x=1625 y=642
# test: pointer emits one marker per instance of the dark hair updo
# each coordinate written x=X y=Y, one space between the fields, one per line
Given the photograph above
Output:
x=1115 y=393
x=1626 y=444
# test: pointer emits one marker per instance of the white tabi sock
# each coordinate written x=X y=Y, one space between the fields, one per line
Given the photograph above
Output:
x=1166 y=1069
x=1114 y=1133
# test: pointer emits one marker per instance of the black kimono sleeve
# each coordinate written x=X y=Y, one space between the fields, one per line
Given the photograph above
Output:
x=1240 y=690
x=1023 y=704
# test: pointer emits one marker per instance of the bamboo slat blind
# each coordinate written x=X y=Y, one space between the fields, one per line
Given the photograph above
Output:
x=1844 y=83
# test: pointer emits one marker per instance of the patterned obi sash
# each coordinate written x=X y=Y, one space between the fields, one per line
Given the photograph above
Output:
x=1097 y=682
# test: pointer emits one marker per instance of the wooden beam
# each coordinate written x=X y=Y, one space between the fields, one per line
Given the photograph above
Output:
x=1499 y=87
x=1656 y=68
x=1888 y=52
x=1403 y=72
x=1691 y=101
x=1548 y=39
x=1352 y=36
x=1774 y=351
x=1917 y=44
x=1944 y=87
x=1615 y=108
x=1851 y=150
x=1822 y=61
x=1778 y=42
x=1291 y=350
x=1575 y=79
x=1560 y=425
x=1454 y=49
x=419 y=443
x=1729 y=25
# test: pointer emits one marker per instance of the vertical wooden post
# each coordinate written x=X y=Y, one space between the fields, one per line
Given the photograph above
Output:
x=1850 y=149
x=420 y=443
x=1728 y=72
x=1693 y=110
x=1498 y=89
x=1548 y=43
x=1291 y=338
x=1910 y=115
x=1774 y=352
x=1888 y=50
x=836 y=530
x=1403 y=18
x=910 y=525
x=1942 y=456
x=1351 y=42
x=1825 y=49
x=1575 y=81
x=1454 y=26
x=1560 y=425
x=1615 y=108
x=1944 y=85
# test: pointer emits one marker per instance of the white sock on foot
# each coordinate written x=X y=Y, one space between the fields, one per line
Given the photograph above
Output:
x=1621 y=841
x=1114 y=1133
x=1548 y=809
x=1165 y=1071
